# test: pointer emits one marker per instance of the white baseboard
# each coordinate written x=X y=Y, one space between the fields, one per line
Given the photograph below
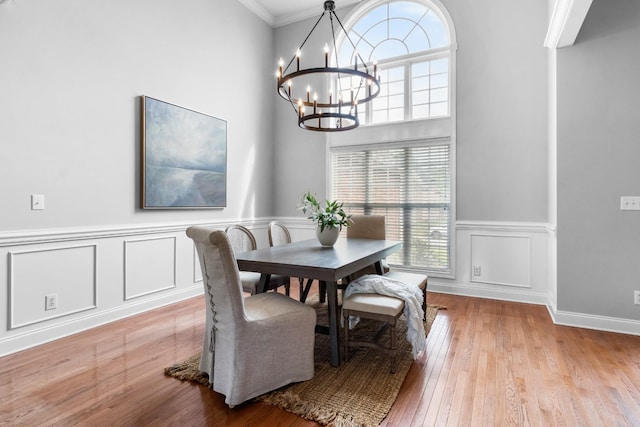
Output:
x=513 y=295
x=591 y=321
x=564 y=318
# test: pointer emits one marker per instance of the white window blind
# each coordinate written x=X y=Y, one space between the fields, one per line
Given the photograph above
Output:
x=411 y=186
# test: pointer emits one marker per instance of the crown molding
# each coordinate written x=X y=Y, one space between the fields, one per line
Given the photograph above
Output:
x=257 y=9
x=287 y=18
x=565 y=23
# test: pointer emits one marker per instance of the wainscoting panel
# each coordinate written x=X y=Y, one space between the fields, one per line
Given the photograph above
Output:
x=68 y=273
x=149 y=266
x=501 y=260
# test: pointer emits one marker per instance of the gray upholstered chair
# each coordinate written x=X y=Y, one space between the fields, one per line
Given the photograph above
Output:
x=367 y=227
x=242 y=240
x=279 y=235
x=251 y=345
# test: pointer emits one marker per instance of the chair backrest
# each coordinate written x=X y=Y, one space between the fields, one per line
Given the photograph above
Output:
x=278 y=234
x=241 y=238
x=221 y=277
x=367 y=227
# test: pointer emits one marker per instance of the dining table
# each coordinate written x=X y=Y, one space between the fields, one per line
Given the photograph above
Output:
x=309 y=259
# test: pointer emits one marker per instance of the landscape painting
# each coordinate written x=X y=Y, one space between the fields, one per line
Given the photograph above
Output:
x=184 y=157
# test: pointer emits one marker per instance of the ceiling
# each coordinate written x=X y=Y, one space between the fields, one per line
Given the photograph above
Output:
x=283 y=12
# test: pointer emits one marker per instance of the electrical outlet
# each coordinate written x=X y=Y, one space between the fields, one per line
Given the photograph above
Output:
x=477 y=270
x=51 y=302
x=636 y=297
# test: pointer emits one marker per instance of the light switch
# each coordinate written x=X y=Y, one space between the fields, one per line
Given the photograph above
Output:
x=37 y=202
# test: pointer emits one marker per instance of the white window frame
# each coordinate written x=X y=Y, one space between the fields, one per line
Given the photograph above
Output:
x=407 y=62
x=437 y=128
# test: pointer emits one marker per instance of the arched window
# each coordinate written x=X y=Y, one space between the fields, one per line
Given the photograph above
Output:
x=410 y=43
x=400 y=162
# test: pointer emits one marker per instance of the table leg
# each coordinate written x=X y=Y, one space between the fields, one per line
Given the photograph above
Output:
x=262 y=285
x=332 y=300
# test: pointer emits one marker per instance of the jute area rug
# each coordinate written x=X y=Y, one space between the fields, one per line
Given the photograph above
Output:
x=358 y=393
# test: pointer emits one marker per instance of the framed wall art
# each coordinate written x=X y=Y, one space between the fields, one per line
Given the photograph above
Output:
x=184 y=157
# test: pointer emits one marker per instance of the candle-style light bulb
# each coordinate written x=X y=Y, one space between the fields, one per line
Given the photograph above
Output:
x=289 y=85
x=308 y=93
x=281 y=64
x=326 y=55
x=298 y=53
x=315 y=102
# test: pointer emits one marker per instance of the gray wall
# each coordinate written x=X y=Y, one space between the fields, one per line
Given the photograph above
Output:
x=598 y=161
x=502 y=107
x=71 y=76
x=300 y=164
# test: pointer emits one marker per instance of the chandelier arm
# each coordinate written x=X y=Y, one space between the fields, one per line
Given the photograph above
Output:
x=351 y=41
x=293 y=105
x=333 y=36
x=305 y=40
x=335 y=51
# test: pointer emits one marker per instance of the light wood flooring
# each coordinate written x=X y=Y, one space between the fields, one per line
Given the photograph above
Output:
x=488 y=363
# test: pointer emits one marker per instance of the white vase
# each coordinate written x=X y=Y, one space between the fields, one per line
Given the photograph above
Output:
x=328 y=236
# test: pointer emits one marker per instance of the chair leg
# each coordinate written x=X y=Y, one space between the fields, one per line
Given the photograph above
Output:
x=304 y=290
x=392 y=350
x=345 y=315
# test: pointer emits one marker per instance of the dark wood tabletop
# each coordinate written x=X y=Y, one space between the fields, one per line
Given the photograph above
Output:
x=310 y=260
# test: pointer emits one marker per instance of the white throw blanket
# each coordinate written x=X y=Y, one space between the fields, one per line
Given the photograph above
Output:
x=412 y=297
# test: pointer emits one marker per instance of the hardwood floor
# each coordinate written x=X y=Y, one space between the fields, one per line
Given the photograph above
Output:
x=488 y=363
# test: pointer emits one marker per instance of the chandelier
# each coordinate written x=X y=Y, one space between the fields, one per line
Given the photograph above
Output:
x=328 y=112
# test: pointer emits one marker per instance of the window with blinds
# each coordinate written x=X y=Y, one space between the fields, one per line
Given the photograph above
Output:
x=411 y=186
